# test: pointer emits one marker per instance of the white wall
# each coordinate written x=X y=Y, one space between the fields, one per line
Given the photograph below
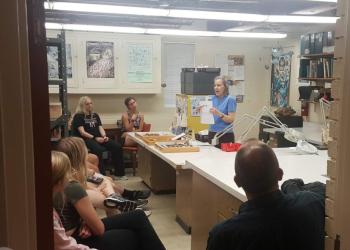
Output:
x=257 y=54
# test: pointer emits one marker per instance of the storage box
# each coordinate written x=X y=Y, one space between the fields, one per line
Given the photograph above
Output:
x=55 y=110
x=198 y=81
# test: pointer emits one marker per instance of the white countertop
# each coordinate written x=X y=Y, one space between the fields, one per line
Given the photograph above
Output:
x=176 y=160
x=219 y=168
x=311 y=130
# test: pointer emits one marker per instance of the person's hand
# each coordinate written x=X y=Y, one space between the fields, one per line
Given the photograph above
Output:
x=199 y=108
x=105 y=139
x=214 y=111
x=85 y=231
x=99 y=139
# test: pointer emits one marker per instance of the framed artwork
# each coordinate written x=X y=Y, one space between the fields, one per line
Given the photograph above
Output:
x=52 y=62
x=140 y=63
x=69 y=60
x=100 y=59
x=280 y=79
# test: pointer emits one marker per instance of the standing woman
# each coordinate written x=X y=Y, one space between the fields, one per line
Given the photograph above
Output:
x=87 y=125
x=133 y=121
x=223 y=110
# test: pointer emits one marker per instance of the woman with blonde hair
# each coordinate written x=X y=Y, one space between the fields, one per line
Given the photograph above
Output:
x=127 y=231
x=105 y=192
x=60 y=169
x=87 y=125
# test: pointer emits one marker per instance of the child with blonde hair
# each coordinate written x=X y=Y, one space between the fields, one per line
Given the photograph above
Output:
x=60 y=169
x=126 y=231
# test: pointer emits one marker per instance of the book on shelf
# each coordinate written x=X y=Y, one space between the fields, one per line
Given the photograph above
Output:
x=316 y=68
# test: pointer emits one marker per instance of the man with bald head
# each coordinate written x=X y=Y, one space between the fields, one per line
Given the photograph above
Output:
x=269 y=219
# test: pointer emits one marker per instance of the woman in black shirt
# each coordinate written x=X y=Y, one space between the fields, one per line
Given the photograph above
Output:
x=87 y=125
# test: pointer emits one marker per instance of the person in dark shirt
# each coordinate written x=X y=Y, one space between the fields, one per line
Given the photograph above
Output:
x=87 y=125
x=269 y=219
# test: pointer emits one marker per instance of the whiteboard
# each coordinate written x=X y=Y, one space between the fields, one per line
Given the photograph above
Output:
x=178 y=56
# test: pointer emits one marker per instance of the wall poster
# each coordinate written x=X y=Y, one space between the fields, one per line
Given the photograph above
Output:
x=100 y=59
x=140 y=63
x=52 y=62
x=280 y=79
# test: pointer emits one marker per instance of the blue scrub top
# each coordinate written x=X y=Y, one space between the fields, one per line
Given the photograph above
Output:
x=225 y=105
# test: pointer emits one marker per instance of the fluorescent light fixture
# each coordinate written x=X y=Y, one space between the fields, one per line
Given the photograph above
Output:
x=301 y=19
x=191 y=14
x=97 y=28
x=315 y=10
x=325 y=1
x=215 y=15
x=253 y=35
x=107 y=9
x=242 y=28
x=170 y=32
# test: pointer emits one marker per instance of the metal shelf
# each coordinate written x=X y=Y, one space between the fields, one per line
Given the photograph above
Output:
x=60 y=43
x=318 y=55
x=317 y=79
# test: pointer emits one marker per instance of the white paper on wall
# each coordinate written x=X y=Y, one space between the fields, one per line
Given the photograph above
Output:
x=222 y=63
x=238 y=88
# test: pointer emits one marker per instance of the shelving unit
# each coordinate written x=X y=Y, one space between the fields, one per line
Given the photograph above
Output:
x=62 y=121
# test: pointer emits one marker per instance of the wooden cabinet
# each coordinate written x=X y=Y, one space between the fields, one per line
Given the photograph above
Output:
x=210 y=206
x=156 y=173
x=133 y=62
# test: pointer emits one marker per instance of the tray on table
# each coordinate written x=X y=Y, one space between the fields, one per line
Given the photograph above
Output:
x=175 y=147
x=152 y=138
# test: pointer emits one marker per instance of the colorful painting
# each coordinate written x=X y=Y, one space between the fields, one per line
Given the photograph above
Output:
x=280 y=79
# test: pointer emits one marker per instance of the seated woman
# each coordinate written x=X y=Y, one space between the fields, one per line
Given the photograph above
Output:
x=100 y=193
x=87 y=125
x=60 y=167
x=132 y=120
x=127 y=231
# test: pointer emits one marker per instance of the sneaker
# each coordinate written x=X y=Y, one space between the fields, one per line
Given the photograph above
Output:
x=123 y=205
x=141 y=194
x=146 y=211
x=141 y=203
x=121 y=178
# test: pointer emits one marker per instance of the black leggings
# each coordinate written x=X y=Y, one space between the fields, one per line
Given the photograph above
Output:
x=226 y=138
x=127 y=231
x=116 y=152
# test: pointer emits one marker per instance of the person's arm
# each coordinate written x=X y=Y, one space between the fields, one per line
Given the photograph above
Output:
x=85 y=134
x=89 y=216
x=61 y=240
x=127 y=125
x=102 y=131
x=231 y=108
x=229 y=118
x=76 y=195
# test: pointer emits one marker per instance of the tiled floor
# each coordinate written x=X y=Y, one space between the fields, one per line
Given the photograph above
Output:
x=163 y=218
